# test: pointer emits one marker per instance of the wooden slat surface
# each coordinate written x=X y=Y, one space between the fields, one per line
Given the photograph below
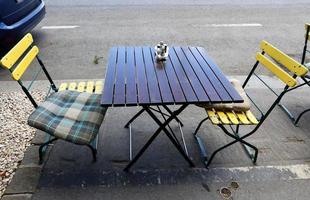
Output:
x=119 y=89
x=182 y=78
x=142 y=85
x=210 y=74
x=189 y=75
x=131 y=89
x=151 y=76
x=204 y=80
x=198 y=88
x=107 y=95
x=166 y=93
x=220 y=76
x=174 y=81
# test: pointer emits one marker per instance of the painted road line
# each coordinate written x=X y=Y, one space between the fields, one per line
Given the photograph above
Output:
x=288 y=172
x=231 y=25
x=59 y=27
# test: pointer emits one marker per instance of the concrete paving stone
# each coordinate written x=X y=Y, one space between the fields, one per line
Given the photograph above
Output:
x=17 y=197
x=25 y=180
x=31 y=156
x=284 y=190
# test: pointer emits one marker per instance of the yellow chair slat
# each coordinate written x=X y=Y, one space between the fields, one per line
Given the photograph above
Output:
x=99 y=83
x=72 y=86
x=81 y=86
x=232 y=117
x=284 y=59
x=213 y=117
x=17 y=51
x=90 y=87
x=63 y=86
x=276 y=70
x=307 y=25
x=24 y=63
x=98 y=87
x=251 y=117
x=223 y=117
x=243 y=118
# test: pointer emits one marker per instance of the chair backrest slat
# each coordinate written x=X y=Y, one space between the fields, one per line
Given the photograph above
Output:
x=24 y=63
x=17 y=51
x=276 y=70
x=285 y=60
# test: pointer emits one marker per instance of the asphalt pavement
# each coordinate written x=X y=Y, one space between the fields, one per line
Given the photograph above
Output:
x=230 y=32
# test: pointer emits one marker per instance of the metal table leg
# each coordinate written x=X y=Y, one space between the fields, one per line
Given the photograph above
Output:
x=142 y=110
x=162 y=127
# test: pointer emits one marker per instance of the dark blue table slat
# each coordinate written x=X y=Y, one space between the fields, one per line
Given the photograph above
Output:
x=182 y=78
x=221 y=77
x=119 y=89
x=151 y=76
x=142 y=85
x=131 y=88
x=165 y=90
x=107 y=95
x=199 y=90
x=204 y=80
x=214 y=81
x=174 y=82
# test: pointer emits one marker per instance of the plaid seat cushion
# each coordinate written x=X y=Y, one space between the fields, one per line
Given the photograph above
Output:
x=69 y=115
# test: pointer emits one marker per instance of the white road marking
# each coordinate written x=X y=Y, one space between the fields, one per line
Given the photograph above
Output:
x=301 y=171
x=232 y=25
x=59 y=27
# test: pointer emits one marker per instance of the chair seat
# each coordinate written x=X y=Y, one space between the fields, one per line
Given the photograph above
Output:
x=69 y=115
x=231 y=117
x=231 y=113
x=83 y=86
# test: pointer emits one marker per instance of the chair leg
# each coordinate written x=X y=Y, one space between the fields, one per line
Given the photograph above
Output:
x=94 y=152
x=300 y=115
x=207 y=161
x=201 y=145
x=247 y=146
x=42 y=151
x=287 y=112
x=199 y=125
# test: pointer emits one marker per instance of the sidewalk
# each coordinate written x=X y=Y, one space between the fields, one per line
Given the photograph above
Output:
x=282 y=170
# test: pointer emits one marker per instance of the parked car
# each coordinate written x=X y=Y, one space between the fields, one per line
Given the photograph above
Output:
x=17 y=17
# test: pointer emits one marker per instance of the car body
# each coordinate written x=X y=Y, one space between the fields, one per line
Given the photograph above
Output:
x=17 y=17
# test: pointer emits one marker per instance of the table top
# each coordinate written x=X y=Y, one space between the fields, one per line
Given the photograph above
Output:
x=188 y=76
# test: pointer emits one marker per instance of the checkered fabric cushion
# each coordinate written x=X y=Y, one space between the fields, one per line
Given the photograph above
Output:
x=69 y=115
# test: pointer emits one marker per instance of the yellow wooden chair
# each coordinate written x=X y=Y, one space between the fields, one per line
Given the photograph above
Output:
x=236 y=115
x=83 y=132
x=303 y=76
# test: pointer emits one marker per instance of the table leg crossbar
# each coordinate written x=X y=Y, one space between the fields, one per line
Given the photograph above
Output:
x=162 y=127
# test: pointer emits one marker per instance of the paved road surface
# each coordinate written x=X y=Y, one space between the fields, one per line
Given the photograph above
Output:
x=69 y=53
